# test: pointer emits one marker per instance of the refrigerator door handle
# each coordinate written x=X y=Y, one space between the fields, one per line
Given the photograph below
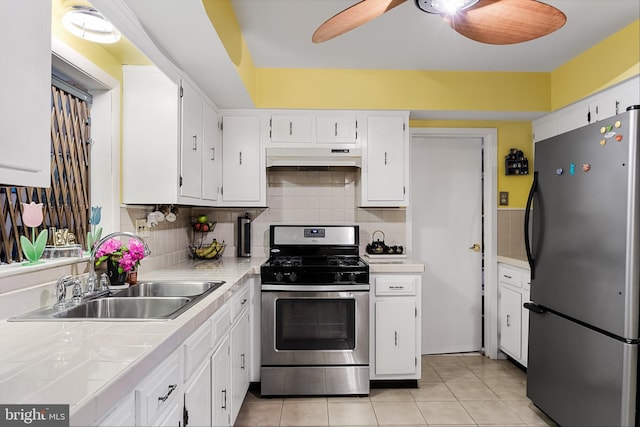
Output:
x=527 y=215
x=534 y=307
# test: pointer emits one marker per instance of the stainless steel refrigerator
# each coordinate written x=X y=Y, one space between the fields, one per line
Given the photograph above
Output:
x=583 y=247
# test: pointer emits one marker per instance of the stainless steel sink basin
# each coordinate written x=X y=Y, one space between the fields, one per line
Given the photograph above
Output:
x=169 y=289
x=159 y=300
x=126 y=308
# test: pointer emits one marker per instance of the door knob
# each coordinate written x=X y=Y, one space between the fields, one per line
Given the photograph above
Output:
x=475 y=247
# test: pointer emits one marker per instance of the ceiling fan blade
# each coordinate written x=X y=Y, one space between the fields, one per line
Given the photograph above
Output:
x=352 y=17
x=507 y=21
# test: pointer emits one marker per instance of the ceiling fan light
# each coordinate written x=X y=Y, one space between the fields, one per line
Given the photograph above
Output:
x=87 y=23
x=444 y=7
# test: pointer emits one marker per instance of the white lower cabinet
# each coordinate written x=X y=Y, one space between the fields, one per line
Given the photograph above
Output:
x=204 y=381
x=513 y=318
x=220 y=389
x=239 y=362
x=395 y=327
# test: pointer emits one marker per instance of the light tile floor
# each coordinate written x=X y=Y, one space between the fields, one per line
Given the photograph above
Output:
x=460 y=390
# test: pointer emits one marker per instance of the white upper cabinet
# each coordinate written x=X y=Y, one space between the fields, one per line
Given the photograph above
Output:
x=595 y=108
x=25 y=109
x=165 y=151
x=150 y=146
x=336 y=130
x=243 y=171
x=212 y=154
x=293 y=128
x=384 y=170
x=192 y=142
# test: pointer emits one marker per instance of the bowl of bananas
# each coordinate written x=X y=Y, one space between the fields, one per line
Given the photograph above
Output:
x=214 y=250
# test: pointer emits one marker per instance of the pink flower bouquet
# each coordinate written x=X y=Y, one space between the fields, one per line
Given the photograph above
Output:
x=126 y=257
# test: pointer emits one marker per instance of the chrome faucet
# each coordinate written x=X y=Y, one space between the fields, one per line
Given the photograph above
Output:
x=92 y=256
x=61 y=291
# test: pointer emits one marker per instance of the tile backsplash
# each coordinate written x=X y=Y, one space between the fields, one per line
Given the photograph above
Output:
x=511 y=233
x=293 y=197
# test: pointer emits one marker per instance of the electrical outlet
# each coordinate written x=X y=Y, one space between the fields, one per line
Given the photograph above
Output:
x=504 y=198
x=141 y=228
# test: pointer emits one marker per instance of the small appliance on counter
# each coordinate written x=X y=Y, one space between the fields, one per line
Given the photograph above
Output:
x=243 y=243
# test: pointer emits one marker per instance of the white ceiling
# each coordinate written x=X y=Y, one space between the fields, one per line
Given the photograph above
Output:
x=278 y=34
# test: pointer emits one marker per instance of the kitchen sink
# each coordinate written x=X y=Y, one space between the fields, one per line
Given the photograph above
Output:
x=169 y=289
x=126 y=308
x=158 y=300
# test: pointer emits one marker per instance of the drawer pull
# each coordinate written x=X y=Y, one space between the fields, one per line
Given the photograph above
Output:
x=508 y=277
x=396 y=287
x=166 y=396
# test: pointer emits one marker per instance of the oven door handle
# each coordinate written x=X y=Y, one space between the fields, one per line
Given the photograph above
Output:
x=316 y=288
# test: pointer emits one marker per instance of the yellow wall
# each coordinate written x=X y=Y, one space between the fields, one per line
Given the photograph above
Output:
x=611 y=61
x=511 y=134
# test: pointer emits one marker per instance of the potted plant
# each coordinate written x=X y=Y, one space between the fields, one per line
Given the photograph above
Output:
x=121 y=259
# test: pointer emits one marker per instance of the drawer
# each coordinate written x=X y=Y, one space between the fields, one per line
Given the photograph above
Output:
x=509 y=275
x=221 y=322
x=158 y=392
x=197 y=348
x=239 y=302
x=395 y=285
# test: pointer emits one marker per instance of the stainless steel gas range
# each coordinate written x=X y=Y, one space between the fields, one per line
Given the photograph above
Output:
x=315 y=312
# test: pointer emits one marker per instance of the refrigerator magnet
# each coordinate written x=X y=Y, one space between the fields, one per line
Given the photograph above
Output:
x=572 y=169
x=559 y=171
x=586 y=167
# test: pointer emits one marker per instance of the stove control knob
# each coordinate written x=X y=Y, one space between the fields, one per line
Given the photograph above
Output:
x=293 y=277
x=279 y=276
x=352 y=277
x=337 y=276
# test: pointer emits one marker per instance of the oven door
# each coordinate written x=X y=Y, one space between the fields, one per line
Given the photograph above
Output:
x=313 y=326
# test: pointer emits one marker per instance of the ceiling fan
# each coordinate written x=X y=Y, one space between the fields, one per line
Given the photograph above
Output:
x=498 y=22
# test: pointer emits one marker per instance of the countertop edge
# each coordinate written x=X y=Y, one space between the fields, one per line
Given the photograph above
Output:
x=513 y=262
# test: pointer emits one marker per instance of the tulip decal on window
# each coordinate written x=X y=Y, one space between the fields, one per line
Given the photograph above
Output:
x=32 y=216
x=94 y=235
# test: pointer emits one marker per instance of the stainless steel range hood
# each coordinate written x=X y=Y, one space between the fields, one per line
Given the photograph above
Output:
x=313 y=157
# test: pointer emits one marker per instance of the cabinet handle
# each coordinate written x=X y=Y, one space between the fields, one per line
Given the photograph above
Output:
x=385 y=157
x=241 y=157
x=242 y=361
x=290 y=128
x=213 y=153
x=224 y=399
x=508 y=320
x=396 y=287
x=335 y=131
x=617 y=107
x=508 y=277
x=194 y=144
x=169 y=391
x=396 y=337
x=243 y=302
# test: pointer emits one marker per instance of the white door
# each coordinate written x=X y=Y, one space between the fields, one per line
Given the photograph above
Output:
x=446 y=176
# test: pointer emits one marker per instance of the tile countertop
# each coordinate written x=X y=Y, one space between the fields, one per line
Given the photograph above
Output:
x=89 y=364
x=513 y=262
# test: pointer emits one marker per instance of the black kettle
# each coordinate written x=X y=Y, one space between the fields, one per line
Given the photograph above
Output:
x=376 y=246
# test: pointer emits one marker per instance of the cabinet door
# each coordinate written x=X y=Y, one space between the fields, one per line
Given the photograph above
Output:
x=291 y=128
x=239 y=363
x=197 y=397
x=524 y=356
x=510 y=309
x=241 y=159
x=337 y=130
x=385 y=159
x=192 y=144
x=211 y=155
x=395 y=336
x=174 y=417
x=149 y=136
x=25 y=111
x=616 y=100
x=220 y=390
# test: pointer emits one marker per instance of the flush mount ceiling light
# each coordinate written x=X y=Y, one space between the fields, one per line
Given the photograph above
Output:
x=444 y=6
x=89 y=24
